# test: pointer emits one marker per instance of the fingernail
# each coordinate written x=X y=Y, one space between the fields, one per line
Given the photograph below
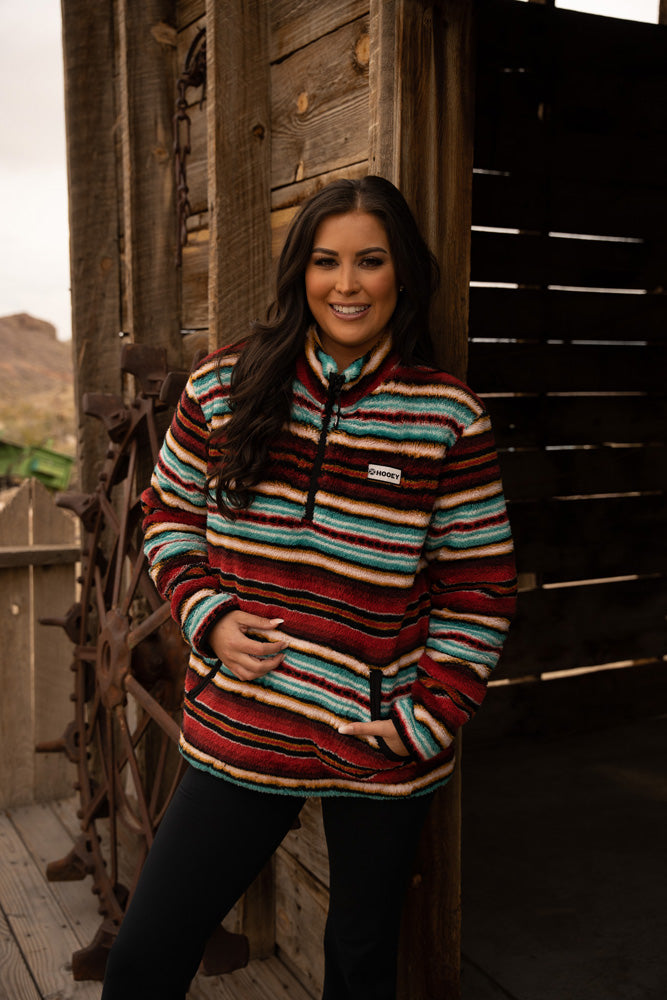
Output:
x=344 y=729
x=276 y=621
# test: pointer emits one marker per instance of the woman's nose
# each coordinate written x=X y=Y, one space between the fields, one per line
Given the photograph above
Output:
x=346 y=280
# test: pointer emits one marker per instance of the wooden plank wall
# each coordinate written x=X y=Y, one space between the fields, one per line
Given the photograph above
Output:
x=567 y=325
x=316 y=130
x=38 y=552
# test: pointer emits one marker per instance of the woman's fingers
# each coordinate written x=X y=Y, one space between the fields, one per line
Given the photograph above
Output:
x=384 y=728
x=249 y=668
x=233 y=640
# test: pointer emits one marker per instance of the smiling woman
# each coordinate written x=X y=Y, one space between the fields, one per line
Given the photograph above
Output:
x=327 y=521
x=351 y=285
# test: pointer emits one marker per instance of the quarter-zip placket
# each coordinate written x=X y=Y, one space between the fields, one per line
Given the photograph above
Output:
x=336 y=383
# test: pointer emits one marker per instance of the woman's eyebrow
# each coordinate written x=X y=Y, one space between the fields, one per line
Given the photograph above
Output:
x=359 y=253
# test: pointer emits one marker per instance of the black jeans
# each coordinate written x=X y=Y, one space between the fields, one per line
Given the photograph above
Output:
x=216 y=837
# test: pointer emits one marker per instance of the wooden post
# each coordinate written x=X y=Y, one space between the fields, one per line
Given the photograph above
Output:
x=239 y=186
x=239 y=157
x=147 y=69
x=93 y=213
x=421 y=138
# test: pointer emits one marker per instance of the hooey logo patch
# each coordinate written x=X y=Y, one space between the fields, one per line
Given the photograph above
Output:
x=385 y=474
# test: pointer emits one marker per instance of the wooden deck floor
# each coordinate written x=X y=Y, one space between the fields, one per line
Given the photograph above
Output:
x=42 y=923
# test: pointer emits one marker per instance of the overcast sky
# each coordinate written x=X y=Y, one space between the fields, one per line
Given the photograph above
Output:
x=34 y=247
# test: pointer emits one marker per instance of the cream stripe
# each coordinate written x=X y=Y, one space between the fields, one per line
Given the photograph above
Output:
x=477 y=552
x=315 y=785
x=452 y=500
x=312 y=558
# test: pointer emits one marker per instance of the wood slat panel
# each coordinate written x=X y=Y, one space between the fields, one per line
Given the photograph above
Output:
x=566 y=368
x=527 y=313
x=319 y=119
x=569 y=97
x=515 y=35
x=296 y=23
x=503 y=143
x=552 y=204
x=564 y=704
x=525 y=421
x=532 y=475
x=588 y=539
x=564 y=628
x=588 y=263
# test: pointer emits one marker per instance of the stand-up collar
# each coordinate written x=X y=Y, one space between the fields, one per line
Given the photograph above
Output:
x=316 y=366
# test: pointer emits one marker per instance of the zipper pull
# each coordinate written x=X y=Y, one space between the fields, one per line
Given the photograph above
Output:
x=336 y=383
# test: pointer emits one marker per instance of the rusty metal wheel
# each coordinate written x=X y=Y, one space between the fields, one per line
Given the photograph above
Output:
x=129 y=666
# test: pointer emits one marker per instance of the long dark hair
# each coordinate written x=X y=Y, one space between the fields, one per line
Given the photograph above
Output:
x=263 y=374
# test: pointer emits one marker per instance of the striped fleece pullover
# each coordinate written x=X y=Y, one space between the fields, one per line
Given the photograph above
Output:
x=379 y=535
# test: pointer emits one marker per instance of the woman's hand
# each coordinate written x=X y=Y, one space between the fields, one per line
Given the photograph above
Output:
x=382 y=727
x=247 y=658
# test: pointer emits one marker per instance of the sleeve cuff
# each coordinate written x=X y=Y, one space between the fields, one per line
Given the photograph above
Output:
x=417 y=736
x=200 y=615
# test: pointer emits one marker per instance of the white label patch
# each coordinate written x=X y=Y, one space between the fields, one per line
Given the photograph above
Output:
x=385 y=474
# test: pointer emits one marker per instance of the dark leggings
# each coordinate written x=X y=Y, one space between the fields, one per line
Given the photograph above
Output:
x=216 y=837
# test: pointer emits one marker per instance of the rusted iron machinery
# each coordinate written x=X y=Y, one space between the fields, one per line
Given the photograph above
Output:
x=129 y=666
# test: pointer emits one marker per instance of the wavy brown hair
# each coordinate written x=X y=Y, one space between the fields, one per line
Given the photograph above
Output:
x=261 y=384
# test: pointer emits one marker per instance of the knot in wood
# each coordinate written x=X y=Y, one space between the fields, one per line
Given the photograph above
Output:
x=302 y=103
x=259 y=131
x=362 y=51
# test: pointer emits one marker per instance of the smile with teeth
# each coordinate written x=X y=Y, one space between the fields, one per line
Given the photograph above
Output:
x=355 y=310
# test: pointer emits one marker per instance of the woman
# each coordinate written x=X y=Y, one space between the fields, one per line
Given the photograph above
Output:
x=326 y=518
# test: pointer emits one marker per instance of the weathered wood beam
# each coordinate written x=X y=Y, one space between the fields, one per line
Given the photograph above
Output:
x=239 y=156
x=239 y=186
x=88 y=51
x=147 y=75
x=421 y=138
x=38 y=555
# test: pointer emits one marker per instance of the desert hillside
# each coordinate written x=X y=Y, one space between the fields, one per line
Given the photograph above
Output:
x=36 y=384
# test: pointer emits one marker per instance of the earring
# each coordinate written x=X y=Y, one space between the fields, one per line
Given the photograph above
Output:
x=401 y=288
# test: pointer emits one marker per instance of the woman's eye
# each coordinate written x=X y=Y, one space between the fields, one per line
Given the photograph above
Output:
x=372 y=262
x=324 y=262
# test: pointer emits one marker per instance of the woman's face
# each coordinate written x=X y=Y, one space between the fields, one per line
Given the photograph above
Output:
x=351 y=284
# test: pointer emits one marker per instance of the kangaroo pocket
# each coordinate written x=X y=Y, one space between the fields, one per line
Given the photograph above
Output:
x=261 y=727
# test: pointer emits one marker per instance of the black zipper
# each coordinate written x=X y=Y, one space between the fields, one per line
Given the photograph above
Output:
x=336 y=383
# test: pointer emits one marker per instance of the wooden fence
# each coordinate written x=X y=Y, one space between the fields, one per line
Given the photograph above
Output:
x=568 y=314
x=38 y=553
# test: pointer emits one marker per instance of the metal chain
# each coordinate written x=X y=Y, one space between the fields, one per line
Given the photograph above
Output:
x=193 y=75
